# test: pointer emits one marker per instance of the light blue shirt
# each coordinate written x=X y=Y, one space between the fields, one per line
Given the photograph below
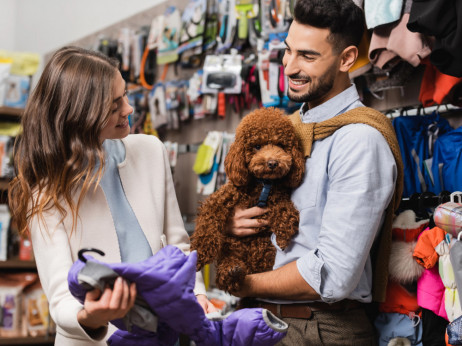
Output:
x=348 y=184
x=134 y=246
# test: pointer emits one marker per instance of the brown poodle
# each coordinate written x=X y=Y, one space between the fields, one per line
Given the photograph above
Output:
x=263 y=165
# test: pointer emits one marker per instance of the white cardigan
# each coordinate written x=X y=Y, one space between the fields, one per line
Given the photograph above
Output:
x=147 y=182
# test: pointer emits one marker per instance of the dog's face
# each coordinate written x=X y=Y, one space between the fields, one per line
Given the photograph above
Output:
x=265 y=147
x=268 y=158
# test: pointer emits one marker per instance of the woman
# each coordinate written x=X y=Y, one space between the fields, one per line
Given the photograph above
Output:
x=81 y=181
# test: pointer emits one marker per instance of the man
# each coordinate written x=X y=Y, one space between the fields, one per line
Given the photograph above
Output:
x=319 y=284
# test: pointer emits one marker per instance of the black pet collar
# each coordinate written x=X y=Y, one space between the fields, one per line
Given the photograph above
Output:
x=264 y=193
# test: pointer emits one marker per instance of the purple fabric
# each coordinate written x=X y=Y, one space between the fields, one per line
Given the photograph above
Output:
x=102 y=274
x=166 y=281
x=124 y=338
x=77 y=289
x=248 y=327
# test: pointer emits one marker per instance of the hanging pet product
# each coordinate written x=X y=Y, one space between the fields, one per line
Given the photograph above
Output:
x=263 y=75
x=227 y=19
x=183 y=101
x=208 y=161
x=222 y=75
x=124 y=48
x=244 y=8
x=254 y=24
x=167 y=41
x=172 y=103
x=275 y=16
x=192 y=33
x=138 y=44
x=149 y=60
x=276 y=77
x=137 y=98
x=157 y=108
x=211 y=26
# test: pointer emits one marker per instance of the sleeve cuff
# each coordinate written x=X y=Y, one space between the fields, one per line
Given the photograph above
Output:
x=97 y=334
x=70 y=326
x=309 y=267
x=199 y=288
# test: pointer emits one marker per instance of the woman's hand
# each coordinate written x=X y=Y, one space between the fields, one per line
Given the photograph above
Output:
x=246 y=221
x=206 y=304
x=99 y=309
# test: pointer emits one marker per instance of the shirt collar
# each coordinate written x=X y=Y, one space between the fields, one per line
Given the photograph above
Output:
x=332 y=107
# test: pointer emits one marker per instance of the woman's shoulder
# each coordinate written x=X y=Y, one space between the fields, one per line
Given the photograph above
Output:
x=142 y=140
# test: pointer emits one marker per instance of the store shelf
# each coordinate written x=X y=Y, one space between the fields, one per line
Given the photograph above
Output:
x=37 y=340
x=11 y=111
x=4 y=184
x=17 y=264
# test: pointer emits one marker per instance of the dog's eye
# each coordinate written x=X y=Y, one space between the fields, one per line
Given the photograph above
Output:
x=257 y=147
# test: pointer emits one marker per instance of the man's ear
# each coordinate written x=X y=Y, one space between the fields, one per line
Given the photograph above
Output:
x=348 y=58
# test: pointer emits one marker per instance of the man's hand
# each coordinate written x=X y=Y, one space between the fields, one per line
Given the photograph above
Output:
x=206 y=304
x=246 y=221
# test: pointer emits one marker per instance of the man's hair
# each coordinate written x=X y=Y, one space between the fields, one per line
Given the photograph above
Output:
x=343 y=18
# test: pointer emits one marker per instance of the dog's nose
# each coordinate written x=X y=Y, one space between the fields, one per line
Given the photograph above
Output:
x=272 y=164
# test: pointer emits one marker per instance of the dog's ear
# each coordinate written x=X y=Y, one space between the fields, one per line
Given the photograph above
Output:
x=235 y=166
x=297 y=171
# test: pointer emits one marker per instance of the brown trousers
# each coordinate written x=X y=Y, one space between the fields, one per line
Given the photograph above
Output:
x=331 y=328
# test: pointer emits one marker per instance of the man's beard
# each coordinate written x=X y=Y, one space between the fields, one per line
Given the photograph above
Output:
x=316 y=91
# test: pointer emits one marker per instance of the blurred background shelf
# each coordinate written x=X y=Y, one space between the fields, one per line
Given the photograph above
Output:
x=11 y=111
x=16 y=263
x=4 y=183
x=38 y=340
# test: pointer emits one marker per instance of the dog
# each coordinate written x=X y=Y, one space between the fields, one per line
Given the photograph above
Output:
x=264 y=164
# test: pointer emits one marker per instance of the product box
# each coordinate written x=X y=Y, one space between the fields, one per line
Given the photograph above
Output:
x=36 y=317
x=6 y=153
x=4 y=226
x=11 y=302
x=16 y=91
x=5 y=67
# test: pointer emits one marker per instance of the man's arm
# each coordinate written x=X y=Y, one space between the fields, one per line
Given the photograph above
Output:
x=283 y=283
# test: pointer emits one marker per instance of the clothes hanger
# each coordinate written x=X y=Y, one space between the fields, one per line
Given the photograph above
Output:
x=88 y=249
x=421 y=202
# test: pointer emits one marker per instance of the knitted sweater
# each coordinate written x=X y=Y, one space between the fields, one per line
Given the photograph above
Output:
x=310 y=132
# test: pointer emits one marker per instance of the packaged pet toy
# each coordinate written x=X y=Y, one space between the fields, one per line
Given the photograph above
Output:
x=263 y=165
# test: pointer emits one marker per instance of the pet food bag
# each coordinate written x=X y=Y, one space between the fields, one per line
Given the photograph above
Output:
x=448 y=217
x=11 y=302
x=36 y=316
x=4 y=225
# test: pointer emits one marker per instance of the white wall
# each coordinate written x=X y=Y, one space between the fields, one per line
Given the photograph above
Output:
x=42 y=26
x=7 y=24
